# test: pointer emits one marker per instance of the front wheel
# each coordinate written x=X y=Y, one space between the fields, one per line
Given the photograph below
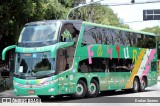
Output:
x=143 y=85
x=81 y=89
x=93 y=90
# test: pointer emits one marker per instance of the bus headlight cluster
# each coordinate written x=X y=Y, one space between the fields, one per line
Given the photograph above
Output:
x=50 y=82
x=35 y=85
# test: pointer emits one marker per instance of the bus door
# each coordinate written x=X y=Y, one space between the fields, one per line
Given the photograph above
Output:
x=65 y=61
x=61 y=69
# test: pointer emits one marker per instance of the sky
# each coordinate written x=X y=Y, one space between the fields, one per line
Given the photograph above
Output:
x=131 y=13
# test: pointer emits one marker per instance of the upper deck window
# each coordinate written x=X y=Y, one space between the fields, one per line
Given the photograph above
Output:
x=38 y=33
x=110 y=36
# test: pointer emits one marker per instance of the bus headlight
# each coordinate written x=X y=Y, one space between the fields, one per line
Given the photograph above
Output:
x=50 y=82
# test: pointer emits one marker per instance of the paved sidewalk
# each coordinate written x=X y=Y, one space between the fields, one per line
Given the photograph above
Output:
x=7 y=93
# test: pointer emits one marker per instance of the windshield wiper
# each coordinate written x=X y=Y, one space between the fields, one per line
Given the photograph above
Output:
x=19 y=75
x=50 y=74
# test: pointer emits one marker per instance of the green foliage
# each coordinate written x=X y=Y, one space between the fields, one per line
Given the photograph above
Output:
x=15 y=13
x=55 y=10
x=156 y=30
x=101 y=14
x=67 y=3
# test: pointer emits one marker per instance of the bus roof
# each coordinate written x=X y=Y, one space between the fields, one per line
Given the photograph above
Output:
x=124 y=29
x=89 y=23
x=52 y=21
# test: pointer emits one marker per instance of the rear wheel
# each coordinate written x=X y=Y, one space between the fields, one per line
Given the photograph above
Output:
x=93 y=90
x=135 y=88
x=143 y=85
x=81 y=89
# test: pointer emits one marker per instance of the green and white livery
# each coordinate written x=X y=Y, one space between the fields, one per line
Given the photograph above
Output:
x=49 y=63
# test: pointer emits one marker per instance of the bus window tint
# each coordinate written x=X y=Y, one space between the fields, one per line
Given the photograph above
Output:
x=106 y=65
x=88 y=37
x=108 y=36
x=70 y=32
x=98 y=65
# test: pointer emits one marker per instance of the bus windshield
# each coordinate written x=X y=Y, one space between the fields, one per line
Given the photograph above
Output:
x=38 y=33
x=35 y=64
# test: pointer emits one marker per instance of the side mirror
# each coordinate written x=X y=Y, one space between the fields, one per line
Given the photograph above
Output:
x=7 y=49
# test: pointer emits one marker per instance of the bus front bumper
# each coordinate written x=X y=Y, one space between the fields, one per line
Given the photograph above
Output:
x=46 y=90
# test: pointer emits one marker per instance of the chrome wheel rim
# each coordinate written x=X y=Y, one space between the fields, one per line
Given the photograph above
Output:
x=135 y=85
x=79 y=89
x=143 y=84
x=92 y=88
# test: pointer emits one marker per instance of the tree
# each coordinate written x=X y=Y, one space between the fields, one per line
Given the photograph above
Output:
x=67 y=3
x=15 y=13
x=156 y=30
x=55 y=10
x=101 y=14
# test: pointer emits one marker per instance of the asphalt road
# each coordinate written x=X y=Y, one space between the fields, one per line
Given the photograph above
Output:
x=118 y=97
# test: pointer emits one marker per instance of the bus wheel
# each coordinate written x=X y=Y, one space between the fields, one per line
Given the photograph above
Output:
x=143 y=85
x=93 y=89
x=44 y=97
x=135 y=88
x=81 y=89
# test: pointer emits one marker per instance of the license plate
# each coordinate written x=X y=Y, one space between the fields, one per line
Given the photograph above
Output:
x=30 y=91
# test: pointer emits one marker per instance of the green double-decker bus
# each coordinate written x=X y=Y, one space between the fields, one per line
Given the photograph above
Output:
x=59 y=57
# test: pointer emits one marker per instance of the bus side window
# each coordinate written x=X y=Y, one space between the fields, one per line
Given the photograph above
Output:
x=154 y=66
x=98 y=65
x=88 y=37
x=69 y=32
x=75 y=36
x=66 y=36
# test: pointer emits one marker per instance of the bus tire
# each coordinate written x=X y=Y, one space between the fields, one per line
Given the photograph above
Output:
x=44 y=97
x=143 y=85
x=93 y=89
x=136 y=85
x=81 y=89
